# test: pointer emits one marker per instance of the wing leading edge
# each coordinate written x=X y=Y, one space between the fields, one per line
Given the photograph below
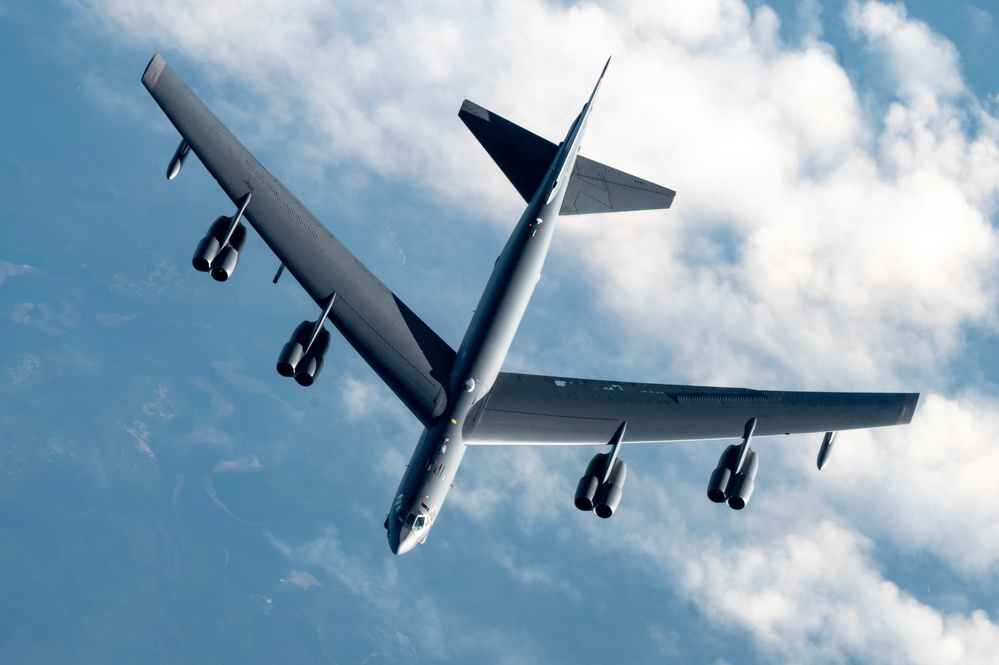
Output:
x=548 y=410
x=403 y=350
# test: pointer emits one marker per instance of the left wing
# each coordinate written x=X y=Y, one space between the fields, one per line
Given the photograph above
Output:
x=549 y=410
x=403 y=350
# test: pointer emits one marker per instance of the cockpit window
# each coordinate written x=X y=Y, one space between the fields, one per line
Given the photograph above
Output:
x=416 y=521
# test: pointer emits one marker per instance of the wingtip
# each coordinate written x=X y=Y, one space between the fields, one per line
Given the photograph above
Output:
x=909 y=402
x=153 y=71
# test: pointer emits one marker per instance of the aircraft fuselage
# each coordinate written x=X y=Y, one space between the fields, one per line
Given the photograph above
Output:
x=487 y=341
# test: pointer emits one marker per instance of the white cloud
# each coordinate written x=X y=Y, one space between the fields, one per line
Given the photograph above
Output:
x=920 y=61
x=8 y=269
x=367 y=400
x=923 y=486
x=816 y=597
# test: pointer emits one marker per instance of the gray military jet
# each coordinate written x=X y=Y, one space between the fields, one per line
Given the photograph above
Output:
x=463 y=398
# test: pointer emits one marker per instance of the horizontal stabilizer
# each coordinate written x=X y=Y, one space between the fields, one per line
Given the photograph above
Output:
x=595 y=188
x=524 y=157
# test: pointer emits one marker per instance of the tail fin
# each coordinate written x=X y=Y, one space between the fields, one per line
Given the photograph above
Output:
x=524 y=157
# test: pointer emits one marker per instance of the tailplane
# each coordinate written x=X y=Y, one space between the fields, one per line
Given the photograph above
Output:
x=595 y=187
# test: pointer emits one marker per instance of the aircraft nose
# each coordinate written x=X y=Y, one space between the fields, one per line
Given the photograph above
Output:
x=401 y=538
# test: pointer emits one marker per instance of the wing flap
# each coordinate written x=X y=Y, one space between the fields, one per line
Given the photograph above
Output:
x=595 y=188
x=406 y=353
x=548 y=410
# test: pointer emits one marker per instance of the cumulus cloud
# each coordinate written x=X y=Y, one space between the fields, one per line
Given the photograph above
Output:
x=923 y=486
x=920 y=61
x=822 y=237
x=816 y=597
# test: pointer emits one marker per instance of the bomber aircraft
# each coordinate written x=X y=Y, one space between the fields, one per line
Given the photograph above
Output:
x=463 y=398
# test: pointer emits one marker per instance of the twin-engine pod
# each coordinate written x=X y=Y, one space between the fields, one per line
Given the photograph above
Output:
x=601 y=497
x=301 y=359
x=602 y=484
x=219 y=250
x=211 y=255
x=730 y=484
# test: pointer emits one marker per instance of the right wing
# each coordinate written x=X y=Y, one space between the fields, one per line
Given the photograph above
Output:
x=550 y=410
x=410 y=357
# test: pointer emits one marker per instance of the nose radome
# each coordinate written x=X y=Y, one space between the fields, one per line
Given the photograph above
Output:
x=401 y=538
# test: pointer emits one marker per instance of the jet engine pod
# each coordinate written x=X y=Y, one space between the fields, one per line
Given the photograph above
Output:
x=226 y=260
x=609 y=494
x=722 y=475
x=293 y=351
x=740 y=488
x=312 y=363
x=208 y=248
x=588 y=485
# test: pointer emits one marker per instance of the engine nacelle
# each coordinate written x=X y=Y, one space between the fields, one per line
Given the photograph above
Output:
x=211 y=255
x=609 y=494
x=741 y=486
x=209 y=246
x=312 y=364
x=292 y=353
x=600 y=497
x=226 y=260
x=586 y=490
x=720 y=477
x=295 y=360
x=726 y=486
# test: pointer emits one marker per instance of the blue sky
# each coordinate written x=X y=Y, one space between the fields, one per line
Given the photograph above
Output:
x=165 y=495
